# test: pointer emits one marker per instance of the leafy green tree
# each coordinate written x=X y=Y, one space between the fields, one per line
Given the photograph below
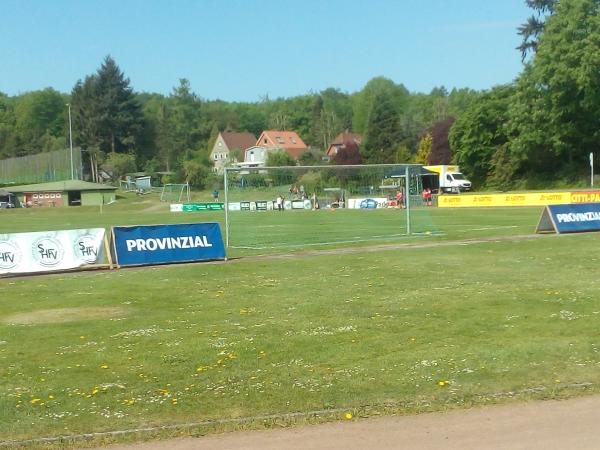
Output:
x=555 y=115
x=503 y=169
x=311 y=158
x=363 y=101
x=281 y=159
x=383 y=133
x=480 y=131
x=424 y=149
x=120 y=164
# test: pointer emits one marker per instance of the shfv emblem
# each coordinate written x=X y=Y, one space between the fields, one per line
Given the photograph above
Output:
x=10 y=256
x=48 y=251
x=86 y=248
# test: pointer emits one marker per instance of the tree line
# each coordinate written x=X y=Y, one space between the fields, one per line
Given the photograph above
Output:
x=541 y=126
x=151 y=132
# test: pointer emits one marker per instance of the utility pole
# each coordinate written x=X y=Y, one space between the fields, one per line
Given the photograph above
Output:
x=71 y=142
x=592 y=169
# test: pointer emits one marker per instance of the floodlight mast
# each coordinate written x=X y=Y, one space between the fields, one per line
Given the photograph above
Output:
x=226 y=190
x=71 y=141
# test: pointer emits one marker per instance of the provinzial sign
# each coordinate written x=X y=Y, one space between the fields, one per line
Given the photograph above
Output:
x=165 y=244
x=50 y=251
x=574 y=218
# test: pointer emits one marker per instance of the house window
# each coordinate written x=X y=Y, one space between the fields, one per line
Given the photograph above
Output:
x=216 y=156
x=220 y=144
x=266 y=141
x=279 y=140
x=293 y=140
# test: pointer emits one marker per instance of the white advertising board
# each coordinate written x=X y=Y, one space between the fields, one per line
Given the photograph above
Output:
x=50 y=251
x=367 y=202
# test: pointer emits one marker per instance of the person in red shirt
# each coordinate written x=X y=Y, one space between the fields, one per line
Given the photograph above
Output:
x=399 y=200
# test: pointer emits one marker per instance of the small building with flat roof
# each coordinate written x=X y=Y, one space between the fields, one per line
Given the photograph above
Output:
x=63 y=193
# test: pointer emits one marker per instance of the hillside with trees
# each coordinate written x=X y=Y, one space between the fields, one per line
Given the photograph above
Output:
x=517 y=135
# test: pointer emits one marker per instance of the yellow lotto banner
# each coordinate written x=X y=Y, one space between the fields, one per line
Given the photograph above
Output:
x=525 y=199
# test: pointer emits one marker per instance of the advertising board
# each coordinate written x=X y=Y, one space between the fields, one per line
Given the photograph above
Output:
x=570 y=218
x=51 y=251
x=164 y=244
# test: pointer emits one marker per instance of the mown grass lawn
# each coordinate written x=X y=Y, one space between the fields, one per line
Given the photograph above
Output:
x=421 y=329
x=254 y=233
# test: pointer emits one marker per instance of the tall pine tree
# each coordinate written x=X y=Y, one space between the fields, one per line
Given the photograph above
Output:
x=106 y=111
x=383 y=134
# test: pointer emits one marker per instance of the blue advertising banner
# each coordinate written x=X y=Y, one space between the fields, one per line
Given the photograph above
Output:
x=573 y=218
x=163 y=244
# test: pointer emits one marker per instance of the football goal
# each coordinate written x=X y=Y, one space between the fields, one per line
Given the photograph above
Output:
x=323 y=205
x=172 y=192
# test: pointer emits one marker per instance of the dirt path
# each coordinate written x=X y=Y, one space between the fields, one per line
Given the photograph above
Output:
x=567 y=424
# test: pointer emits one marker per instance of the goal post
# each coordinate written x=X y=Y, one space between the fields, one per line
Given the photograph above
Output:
x=172 y=192
x=323 y=205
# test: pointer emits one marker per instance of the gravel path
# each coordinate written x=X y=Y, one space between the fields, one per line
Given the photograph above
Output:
x=544 y=425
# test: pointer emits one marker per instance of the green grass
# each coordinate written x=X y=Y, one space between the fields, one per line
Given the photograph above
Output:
x=404 y=330
x=271 y=232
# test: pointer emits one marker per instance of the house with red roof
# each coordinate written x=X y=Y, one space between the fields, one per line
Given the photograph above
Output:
x=228 y=147
x=344 y=141
x=282 y=140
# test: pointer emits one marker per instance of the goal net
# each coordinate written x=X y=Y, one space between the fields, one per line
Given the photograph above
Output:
x=172 y=192
x=302 y=206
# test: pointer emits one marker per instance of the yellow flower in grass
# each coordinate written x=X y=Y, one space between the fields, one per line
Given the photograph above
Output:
x=33 y=401
x=104 y=366
x=348 y=416
x=443 y=383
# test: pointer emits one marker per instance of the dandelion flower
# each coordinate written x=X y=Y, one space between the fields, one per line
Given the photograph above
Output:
x=348 y=416
x=104 y=366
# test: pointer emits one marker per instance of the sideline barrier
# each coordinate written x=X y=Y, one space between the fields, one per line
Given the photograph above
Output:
x=164 y=244
x=523 y=199
x=52 y=251
x=570 y=218
x=192 y=207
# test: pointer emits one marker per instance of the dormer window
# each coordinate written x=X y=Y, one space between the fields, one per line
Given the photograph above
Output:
x=279 y=140
x=293 y=140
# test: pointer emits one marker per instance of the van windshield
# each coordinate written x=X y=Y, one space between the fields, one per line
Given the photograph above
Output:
x=458 y=176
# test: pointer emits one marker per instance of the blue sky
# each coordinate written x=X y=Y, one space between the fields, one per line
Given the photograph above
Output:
x=239 y=50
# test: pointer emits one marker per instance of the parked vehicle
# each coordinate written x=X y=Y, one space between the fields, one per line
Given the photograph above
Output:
x=6 y=205
x=449 y=179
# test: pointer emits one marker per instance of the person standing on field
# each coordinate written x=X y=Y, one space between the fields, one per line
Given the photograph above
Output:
x=399 y=199
x=279 y=203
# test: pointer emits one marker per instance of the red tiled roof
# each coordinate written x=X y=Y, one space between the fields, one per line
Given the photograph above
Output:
x=240 y=141
x=288 y=140
x=342 y=140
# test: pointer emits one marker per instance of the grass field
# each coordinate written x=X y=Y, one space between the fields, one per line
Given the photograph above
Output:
x=404 y=331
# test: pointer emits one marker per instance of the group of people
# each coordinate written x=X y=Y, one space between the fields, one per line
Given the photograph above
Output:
x=297 y=193
x=426 y=195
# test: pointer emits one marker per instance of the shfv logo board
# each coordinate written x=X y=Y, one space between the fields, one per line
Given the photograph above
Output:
x=164 y=244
